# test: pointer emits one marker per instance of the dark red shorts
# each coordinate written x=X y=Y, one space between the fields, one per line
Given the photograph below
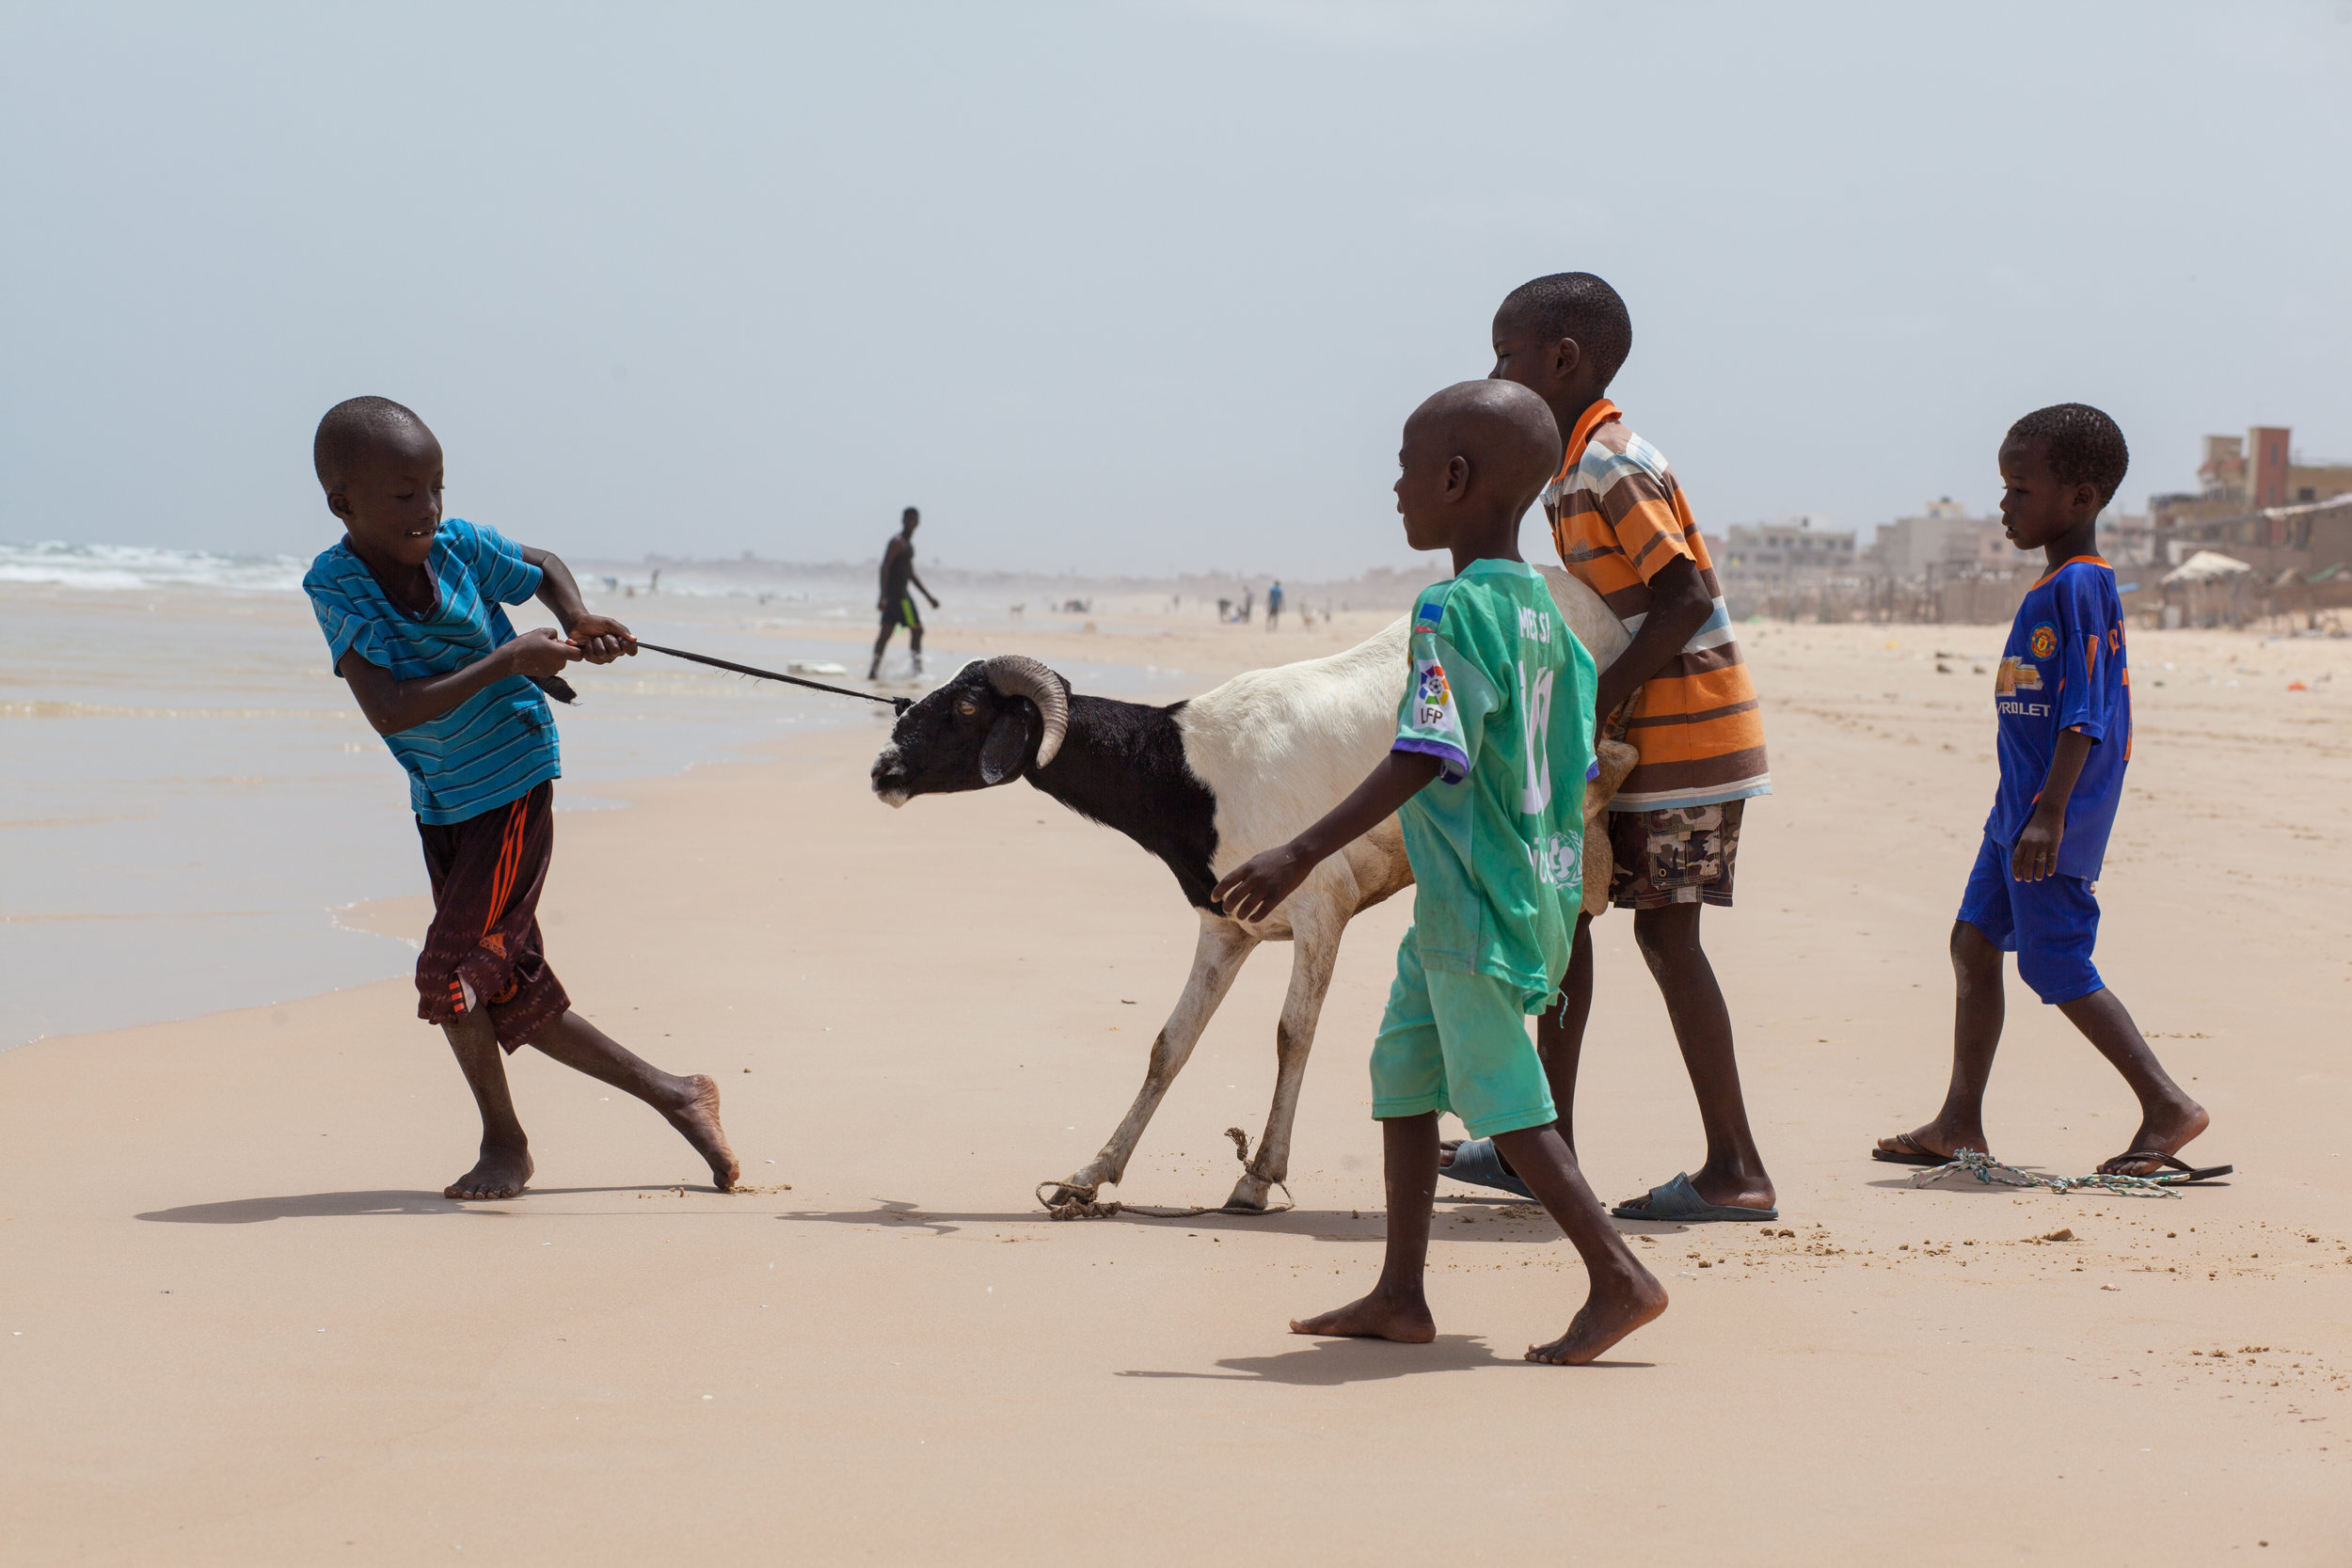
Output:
x=482 y=952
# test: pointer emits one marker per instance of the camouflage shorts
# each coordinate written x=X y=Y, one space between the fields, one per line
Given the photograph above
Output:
x=1681 y=855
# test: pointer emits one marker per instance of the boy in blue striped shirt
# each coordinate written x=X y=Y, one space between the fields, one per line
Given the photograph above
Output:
x=411 y=605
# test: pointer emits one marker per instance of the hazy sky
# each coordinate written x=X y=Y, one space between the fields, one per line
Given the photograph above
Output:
x=1133 y=287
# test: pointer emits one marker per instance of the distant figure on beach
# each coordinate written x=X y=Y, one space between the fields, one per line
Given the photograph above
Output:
x=2062 y=701
x=411 y=605
x=1623 y=527
x=896 y=604
x=1273 y=605
x=1485 y=775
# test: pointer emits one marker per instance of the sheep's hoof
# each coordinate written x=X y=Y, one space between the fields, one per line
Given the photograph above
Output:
x=1249 y=1197
x=1068 y=1191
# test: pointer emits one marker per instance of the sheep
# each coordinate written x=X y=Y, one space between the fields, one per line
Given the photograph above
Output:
x=1203 y=785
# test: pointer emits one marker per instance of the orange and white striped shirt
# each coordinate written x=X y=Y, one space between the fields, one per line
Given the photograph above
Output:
x=1619 y=517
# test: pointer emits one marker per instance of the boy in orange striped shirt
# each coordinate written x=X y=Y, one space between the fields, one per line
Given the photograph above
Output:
x=1623 y=527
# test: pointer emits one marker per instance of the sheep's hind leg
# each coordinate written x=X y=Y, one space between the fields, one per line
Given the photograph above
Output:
x=1215 y=961
x=1316 y=949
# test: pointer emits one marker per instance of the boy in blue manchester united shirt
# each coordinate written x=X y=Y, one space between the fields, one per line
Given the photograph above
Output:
x=2064 y=702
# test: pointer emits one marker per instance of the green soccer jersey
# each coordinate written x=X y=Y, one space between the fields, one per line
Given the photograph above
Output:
x=1500 y=693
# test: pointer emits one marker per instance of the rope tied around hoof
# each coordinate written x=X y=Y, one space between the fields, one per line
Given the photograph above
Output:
x=1970 y=1162
x=1079 y=1202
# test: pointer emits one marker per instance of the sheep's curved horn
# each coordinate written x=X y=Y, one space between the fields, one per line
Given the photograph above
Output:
x=1019 y=675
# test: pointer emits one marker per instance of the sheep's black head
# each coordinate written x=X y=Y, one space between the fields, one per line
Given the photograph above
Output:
x=979 y=729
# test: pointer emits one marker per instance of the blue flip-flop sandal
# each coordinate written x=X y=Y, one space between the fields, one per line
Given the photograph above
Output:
x=1477 y=1165
x=1679 y=1202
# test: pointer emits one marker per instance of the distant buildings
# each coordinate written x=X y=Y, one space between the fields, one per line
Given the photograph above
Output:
x=2249 y=473
x=2258 y=501
x=1785 y=548
x=1942 y=565
x=1944 y=540
x=2276 y=531
x=2127 y=539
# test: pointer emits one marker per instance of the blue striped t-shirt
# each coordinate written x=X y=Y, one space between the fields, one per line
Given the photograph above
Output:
x=498 y=743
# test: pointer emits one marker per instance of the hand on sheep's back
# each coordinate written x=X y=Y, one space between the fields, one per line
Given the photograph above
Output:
x=1252 y=889
x=1616 y=760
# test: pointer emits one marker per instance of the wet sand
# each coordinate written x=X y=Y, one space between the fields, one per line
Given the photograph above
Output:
x=240 y=1325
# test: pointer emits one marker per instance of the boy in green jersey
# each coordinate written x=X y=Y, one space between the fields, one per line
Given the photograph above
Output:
x=1499 y=705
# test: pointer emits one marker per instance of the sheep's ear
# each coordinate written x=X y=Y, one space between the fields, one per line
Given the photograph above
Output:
x=1007 y=743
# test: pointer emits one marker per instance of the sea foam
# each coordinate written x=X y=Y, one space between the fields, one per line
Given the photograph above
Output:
x=116 y=568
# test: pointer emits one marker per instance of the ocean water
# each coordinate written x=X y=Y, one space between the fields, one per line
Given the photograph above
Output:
x=119 y=568
x=188 y=794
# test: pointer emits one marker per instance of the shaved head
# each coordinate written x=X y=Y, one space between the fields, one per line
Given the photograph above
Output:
x=355 y=429
x=1505 y=430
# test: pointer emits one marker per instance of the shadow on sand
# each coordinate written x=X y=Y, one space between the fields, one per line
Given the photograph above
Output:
x=1322 y=1225
x=1330 y=1363
x=309 y=1206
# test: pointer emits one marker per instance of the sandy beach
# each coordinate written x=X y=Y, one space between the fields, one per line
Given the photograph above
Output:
x=238 y=1324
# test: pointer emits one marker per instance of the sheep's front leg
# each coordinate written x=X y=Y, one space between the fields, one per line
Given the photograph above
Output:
x=1215 y=961
x=1315 y=948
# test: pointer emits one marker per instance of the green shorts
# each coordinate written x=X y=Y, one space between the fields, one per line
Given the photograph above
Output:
x=1459 y=1043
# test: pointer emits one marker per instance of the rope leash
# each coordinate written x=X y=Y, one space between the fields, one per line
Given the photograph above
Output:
x=1080 y=1204
x=897 y=705
x=1969 y=1161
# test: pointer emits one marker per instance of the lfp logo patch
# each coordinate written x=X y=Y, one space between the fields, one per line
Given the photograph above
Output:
x=2044 y=640
x=1433 y=700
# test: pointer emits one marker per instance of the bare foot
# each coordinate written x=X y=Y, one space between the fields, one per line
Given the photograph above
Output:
x=1939 y=1140
x=697 y=1121
x=2168 y=1134
x=1608 y=1315
x=1376 y=1317
x=499 y=1173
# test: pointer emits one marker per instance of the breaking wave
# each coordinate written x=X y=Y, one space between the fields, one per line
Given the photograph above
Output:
x=113 y=568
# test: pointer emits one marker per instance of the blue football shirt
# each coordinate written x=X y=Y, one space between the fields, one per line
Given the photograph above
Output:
x=497 y=744
x=2064 y=669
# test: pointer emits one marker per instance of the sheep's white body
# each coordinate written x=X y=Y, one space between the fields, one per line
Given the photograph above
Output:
x=1279 y=748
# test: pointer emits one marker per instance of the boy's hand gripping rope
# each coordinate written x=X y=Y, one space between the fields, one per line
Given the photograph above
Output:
x=897 y=705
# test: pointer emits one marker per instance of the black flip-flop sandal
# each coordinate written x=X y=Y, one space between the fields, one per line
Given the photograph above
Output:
x=1913 y=1153
x=2189 y=1173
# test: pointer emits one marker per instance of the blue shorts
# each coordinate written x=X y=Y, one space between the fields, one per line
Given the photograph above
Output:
x=2050 y=924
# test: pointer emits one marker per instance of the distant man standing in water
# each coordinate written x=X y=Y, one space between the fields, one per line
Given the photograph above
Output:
x=896 y=604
